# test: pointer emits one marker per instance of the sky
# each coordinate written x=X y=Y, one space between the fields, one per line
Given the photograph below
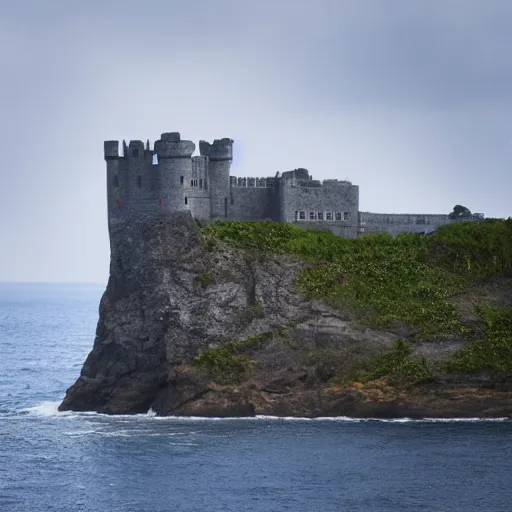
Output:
x=409 y=99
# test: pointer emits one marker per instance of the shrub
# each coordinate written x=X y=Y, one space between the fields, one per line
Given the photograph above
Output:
x=226 y=363
x=204 y=279
x=492 y=350
x=397 y=365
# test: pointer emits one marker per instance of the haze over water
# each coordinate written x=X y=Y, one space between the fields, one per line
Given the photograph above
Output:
x=88 y=462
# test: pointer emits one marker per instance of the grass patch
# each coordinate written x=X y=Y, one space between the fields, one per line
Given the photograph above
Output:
x=204 y=279
x=492 y=350
x=227 y=363
x=397 y=366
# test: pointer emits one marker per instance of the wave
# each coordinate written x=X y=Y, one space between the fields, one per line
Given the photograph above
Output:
x=50 y=409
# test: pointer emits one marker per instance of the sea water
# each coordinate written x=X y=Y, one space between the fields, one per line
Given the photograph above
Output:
x=51 y=461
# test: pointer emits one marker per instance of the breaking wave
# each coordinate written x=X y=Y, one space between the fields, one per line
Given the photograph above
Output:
x=50 y=409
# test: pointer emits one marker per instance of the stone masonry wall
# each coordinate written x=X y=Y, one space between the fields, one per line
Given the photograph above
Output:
x=196 y=188
x=253 y=199
x=396 y=223
x=333 y=203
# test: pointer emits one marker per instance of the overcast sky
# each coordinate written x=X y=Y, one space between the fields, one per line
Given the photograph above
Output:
x=411 y=100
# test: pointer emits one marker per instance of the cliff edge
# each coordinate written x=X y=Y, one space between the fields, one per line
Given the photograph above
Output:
x=193 y=323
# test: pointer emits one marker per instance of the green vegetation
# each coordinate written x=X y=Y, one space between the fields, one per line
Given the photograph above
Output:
x=227 y=363
x=408 y=279
x=397 y=365
x=204 y=279
x=492 y=350
x=474 y=249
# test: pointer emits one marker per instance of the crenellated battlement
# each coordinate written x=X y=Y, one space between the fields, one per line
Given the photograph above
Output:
x=111 y=149
x=170 y=145
x=135 y=149
x=220 y=149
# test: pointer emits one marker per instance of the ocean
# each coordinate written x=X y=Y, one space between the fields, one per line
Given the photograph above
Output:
x=51 y=461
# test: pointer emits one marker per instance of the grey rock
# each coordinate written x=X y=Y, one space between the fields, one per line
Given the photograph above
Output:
x=168 y=297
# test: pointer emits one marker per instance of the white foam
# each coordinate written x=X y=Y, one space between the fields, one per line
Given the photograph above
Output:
x=50 y=409
x=43 y=409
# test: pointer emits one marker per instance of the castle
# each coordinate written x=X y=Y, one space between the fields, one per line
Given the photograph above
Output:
x=157 y=182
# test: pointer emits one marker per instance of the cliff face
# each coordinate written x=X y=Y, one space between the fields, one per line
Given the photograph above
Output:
x=167 y=298
x=171 y=297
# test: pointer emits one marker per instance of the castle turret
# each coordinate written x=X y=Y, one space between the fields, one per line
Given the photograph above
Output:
x=174 y=167
x=220 y=155
x=114 y=194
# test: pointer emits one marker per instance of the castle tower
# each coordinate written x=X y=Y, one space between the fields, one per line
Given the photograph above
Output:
x=174 y=169
x=220 y=155
x=114 y=193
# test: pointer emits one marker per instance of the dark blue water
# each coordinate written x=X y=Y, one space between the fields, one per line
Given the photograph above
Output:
x=87 y=462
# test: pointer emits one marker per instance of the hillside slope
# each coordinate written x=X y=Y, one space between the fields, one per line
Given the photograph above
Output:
x=237 y=319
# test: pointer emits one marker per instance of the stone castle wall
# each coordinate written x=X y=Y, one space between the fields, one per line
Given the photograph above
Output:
x=308 y=202
x=196 y=189
x=253 y=199
x=397 y=223
x=167 y=179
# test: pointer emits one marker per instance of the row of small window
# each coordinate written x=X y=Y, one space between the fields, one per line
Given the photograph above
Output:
x=301 y=215
x=195 y=183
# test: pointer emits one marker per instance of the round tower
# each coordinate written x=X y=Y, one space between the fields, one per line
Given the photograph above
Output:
x=220 y=156
x=174 y=167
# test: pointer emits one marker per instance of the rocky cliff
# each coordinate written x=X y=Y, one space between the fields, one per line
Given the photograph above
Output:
x=191 y=327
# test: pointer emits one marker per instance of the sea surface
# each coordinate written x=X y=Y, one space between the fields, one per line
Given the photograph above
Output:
x=89 y=462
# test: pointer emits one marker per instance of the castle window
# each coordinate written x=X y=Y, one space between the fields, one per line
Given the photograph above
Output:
x=181 y=180
x=186 y=200
x=346 y=215
x=195 y=183
x=328 y=215
x=338 y=215
x=312 y=216
x=139 y=181
x=200 y=183
x=205 y=184
x=115 y=181
x=302 y=215
x=320 y=215
x=191 y=183
x=135 y=153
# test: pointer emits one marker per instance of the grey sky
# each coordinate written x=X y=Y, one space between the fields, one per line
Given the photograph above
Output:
x=411 y=100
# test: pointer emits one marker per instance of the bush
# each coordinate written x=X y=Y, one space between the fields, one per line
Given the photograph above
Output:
x=492 y=351
x=204 y=279
x=398 y=366
x=226 y=364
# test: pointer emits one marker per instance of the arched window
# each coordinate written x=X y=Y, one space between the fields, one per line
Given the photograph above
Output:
x=186 y=200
